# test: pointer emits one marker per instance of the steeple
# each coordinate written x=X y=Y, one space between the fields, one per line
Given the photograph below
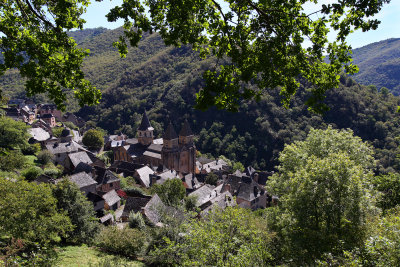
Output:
x=170 y=133
x=185 y=131
x=186 y=135
x=145 y=131
x=170 y=138
x=145 y=124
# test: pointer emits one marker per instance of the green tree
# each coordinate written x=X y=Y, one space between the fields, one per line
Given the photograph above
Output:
x=237 y=166
x=230 y=237
x=44 y=157
x=80 y=211
x=323 y=184
x=126 y=241
x=11 y=160
x=32 y=173
x=211 y=178
x=93 y=139
x=389 y=186
x=264 y=42
x=13 y=134
x=136 y=220
x=35 y=41
x=171 y=192
x=29 y=212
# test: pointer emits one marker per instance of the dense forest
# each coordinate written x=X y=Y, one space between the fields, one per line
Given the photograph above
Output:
x=163 y=81
x=379 y=64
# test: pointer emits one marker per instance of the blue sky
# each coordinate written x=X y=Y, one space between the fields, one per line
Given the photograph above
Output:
x=389 y=16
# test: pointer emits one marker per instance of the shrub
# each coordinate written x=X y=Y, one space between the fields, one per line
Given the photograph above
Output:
x=127 y=242
x=32 y=173
x=44 y=157
x=11 y=160
x=136 y=220
x=52 y=172
x=32 y=149
x=71 y=125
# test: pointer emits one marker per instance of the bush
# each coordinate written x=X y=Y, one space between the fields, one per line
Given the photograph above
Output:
x=136 y=220
x=11 y=160
x=127 y=242
x=32 y=173
x=44 y=157
x=134 y=191
x=52 y=172
x=32 y=149
x=71 y=125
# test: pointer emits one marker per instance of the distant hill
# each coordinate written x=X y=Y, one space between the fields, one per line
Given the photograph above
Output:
x=379 y=64
x=164 y=80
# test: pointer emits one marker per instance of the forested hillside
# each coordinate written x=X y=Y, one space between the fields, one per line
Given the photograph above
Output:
x=163 y=81
x=379 y=64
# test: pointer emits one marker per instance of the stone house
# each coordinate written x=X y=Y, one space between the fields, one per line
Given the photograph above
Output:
x=111 y=200
x=50 y=109
x=84 y=181
x=49 y=119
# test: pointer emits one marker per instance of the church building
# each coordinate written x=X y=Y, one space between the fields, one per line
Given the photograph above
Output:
x=175 y=152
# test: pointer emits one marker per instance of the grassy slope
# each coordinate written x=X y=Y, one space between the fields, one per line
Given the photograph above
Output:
x=87 y=256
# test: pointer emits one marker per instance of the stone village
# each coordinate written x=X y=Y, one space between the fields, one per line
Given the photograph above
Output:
x=148 y=160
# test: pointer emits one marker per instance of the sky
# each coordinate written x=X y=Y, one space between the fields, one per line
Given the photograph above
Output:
x=389 y=17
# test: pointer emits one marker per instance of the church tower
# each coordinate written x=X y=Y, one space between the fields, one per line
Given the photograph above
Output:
x=187 y=150
x=170 y=150
x=145 y=131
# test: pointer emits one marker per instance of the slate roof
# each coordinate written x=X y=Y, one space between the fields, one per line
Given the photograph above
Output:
x=83 y=167
x=185 y=131
x=250 y=191
x=134 y=204
x=82 y=179
x=152 y=154
x=191 y=182
x=105 y=176
x=46 y=116
x=106 y=217
x=68 y=147
x=170 y=133
x=145 y=124
x=153 y=209
x=79 y=157
x=144 y=174
x=221 y=201
x=203 y=160
x=205 y=193
x=234 y=182
x=94 y=197
x=39 y=134
x=131 y=141
x=164 y=176
x=158 y=141
x=155 y=148
x=111 y=197
x=125 y=166
x=49 y=106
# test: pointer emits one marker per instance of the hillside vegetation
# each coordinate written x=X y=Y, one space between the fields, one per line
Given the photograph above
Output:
x=379 y=64
x=164 y=80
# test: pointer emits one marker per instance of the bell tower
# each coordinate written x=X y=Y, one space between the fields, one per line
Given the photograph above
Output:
x=145 y=131
x=187 y=150
x=170 y=150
